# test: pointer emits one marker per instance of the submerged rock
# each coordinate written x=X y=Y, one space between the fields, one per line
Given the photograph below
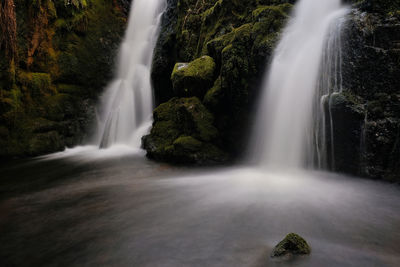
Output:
x=293 y=244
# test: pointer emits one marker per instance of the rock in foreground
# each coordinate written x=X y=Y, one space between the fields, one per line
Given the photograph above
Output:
x=293 y=244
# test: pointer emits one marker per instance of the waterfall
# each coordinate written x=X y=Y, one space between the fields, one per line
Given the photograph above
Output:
x=126 y=107
x=299 y=76
x=330 y=83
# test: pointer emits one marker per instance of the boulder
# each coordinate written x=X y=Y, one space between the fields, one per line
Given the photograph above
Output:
x=194 y=78
x=293 y=244
x=183 y=132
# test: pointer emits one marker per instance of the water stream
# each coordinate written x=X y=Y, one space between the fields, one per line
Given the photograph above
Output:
x=109 y=207
x=126 y=106
x=285 y=118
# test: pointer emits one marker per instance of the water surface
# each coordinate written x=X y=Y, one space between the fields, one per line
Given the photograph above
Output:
x=128 y=211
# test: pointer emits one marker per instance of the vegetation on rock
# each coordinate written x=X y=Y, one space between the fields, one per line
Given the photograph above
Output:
x=194 y=78
x=239 y=36
x=183 y=132
x=292 y=244
x=55 y=57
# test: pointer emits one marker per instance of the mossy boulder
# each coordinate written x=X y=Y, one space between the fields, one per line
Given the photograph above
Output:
x=183 y=132
x=239 y=36
x=194 y=78
x=292 y=244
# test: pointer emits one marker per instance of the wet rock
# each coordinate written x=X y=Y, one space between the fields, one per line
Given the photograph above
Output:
x=183 y=132
x=240 y=37
x=165 y=54
x=347 y=115
x=293 y=244
x=194 y=78
x=366 y=142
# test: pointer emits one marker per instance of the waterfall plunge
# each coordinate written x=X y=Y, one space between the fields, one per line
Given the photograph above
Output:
x=126 y=107
x=285 y=131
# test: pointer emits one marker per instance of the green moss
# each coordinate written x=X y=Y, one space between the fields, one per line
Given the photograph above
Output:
x=78 y=23
x=41 y=84
x=240 y=36
x=187 y=144
x=266 y=12
x=291 y=244
x=183 y=132
x=16 y=98
x=70 y=89
x=214 y=96
x=58 y=43
x=51 y=8
x=59 y=107
x=194 y=78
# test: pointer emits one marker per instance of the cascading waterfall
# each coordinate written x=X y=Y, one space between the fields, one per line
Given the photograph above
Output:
x=126 y=107
x=330 y=83
x=285 y=129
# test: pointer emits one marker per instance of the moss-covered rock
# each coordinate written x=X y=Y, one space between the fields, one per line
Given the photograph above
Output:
x=239 y=36
x=194 y=78
x=214 y=96
x=292 y=244
x=65 y=53
x=183 y=132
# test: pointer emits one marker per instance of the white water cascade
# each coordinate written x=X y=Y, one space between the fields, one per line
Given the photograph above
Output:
x=284 y=124
x=126 y=106
x=330 y=83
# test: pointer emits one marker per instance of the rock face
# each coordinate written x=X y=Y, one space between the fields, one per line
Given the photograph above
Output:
x=64 y=53
x=240 y=36
x=292 y=244
x=227 y=44
x=366 y=117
